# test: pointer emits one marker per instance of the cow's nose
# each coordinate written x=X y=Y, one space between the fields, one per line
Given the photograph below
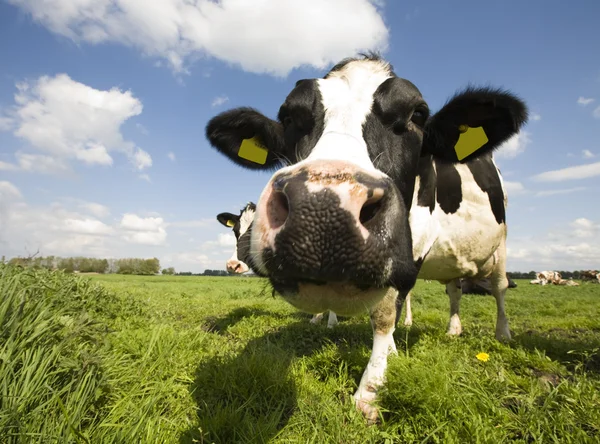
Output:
x=358 y=192
x=236 y=266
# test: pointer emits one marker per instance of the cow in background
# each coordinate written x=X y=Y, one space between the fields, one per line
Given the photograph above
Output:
x=590 y=276
x=546 y=277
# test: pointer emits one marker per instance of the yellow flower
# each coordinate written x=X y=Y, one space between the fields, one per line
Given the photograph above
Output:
x=484 y=357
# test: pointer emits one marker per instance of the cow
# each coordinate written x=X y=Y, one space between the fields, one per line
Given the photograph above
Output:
x=547 y=277
x=590 y=276
x=241 y=226
x=481 y=286
x=374 y=193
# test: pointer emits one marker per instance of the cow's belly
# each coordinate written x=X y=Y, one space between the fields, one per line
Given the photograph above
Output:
x=466 y=245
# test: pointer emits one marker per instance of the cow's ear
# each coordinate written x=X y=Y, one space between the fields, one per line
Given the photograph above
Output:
x=247 y=137
x=228 y=219
x=474 y=122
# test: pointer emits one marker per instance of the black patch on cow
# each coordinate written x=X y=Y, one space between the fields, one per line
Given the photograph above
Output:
x=393 y=139
x=449 y=186
x=427 y=182
x=302 y=116
x=487 y=178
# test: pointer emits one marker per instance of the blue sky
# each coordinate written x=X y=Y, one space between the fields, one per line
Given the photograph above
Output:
x=103 y=106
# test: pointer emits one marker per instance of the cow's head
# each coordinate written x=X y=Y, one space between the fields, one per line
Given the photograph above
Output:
x=335 y=221
x=242 y=227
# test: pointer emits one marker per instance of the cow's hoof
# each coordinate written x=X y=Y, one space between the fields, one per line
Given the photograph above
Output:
x=503 y=335
x=408 y=322
x=369 y=411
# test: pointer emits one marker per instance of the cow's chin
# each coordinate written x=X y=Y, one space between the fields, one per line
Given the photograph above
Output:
x=345 y=299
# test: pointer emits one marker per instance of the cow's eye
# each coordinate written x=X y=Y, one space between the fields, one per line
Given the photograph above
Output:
x=420 y=115
x=287 y=121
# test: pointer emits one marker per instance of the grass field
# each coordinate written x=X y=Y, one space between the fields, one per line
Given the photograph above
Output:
x=114 y=359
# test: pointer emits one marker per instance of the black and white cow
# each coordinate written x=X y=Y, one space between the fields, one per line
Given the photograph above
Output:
x=240 y=261
x=376 y=194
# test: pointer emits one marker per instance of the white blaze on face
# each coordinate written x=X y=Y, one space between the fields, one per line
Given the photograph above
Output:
x=347 y=96
x=245 y=221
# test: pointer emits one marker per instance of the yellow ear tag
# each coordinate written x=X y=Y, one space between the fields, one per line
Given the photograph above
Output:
x=470 y=140
x=230 y=223
x=253 y=150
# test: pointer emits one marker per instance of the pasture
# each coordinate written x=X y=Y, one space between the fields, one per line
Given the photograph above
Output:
x=111 y=359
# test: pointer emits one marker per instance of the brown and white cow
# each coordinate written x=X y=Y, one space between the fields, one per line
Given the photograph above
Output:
x=547 y=277
x=376 y=193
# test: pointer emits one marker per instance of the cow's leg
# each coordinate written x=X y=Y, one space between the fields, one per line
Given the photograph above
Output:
x=454 y=290
x=408 y=315
x=316 y=318
x=333 y=320
x=399 y=303
x=499 y=287
x=382 y=321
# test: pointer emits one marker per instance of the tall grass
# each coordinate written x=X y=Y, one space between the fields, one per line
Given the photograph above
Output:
x=116 y=359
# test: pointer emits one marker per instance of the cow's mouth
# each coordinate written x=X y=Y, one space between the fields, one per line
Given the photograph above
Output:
x=316 y=296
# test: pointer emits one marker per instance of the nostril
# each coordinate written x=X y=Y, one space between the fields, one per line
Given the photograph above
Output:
x=372 y=206
x=278 y=209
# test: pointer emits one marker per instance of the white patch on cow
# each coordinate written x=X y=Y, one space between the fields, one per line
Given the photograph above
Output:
x=333 y=320
x=246 y=220
x=424 y=227
x=466 y=239
x=408 y=319
x=341 y=298
x=347 y=97
x=316 y=319
x=374 y=375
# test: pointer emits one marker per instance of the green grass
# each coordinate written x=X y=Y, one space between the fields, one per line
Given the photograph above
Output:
x=115 y=359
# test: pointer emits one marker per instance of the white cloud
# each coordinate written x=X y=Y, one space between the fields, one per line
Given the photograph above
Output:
x=570 y=173
x=68 y=120
x=270 y=36
x=536 y=117
x=141 y=159
x=514 y=146
x=8 y=191
x=36 y=163
x=587 y=154
x=220 y=100
x=558 y=192
x=96 y=209
x=145 y=177
x=584 y=101
x=133 y=222
x=570 y=247
x=143 y=230
x=86 y=226
x=171 y=156
x=597 y=113
x=513 y=187
x=585 y=228
x=96 y=153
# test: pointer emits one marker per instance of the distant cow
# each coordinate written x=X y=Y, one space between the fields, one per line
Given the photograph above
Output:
x=376 y=194
x=591 y=276
x=547 y=277
x=240 y=261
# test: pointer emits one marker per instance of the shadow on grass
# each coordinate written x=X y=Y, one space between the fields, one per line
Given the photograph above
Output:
x=572 y=347
x=249 y=396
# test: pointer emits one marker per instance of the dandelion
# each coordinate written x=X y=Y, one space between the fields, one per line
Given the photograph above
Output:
x=483 y=357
